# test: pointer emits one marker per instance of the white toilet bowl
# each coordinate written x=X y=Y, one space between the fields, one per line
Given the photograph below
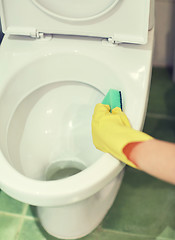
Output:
x=48 y=90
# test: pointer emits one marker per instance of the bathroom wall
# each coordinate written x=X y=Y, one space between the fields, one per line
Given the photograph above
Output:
x=165 y=33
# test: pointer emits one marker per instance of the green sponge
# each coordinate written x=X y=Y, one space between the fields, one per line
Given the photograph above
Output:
x=113 y=98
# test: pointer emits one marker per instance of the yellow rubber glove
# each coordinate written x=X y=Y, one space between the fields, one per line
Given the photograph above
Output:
x=111 y=132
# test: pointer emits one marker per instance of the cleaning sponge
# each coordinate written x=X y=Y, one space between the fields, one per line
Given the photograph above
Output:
x=113 y=98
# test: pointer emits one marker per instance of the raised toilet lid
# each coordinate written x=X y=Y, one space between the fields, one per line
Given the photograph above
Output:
x=76 y=10
x=121 y=20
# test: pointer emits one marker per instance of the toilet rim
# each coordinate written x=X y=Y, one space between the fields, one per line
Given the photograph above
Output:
x=59 y=192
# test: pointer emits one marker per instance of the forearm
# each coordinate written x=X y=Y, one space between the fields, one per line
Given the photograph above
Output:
x=155 y=157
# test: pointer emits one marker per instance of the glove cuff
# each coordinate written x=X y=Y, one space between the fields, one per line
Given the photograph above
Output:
x=127 y=149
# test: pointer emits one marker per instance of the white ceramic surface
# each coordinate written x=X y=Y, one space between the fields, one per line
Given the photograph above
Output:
x=76 y=10
x=31 y=80
x=53 y=124
x=77 y=220
x=123 y=20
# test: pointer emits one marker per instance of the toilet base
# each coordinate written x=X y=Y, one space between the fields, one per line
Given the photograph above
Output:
x=79 y=219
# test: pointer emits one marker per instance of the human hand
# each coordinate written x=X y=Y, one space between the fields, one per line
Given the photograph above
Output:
x=111 y=132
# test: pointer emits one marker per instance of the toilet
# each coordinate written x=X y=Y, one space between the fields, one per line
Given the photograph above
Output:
x=58 y=59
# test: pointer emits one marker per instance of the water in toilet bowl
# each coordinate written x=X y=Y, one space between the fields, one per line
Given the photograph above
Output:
x=63 y=168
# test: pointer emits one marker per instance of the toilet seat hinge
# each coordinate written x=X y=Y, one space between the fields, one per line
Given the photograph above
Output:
x=113 y=41
x=23 y=31
x=110 y=42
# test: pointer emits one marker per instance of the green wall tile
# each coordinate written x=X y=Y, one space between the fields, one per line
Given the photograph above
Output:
x=8 y=204
x=32 y=230
x=103 y=234
x=163 y=129
x=9 y=227
x=114 y=235
x=161 y=99
x=31 y=211
x=144 y=205
x=167 y=233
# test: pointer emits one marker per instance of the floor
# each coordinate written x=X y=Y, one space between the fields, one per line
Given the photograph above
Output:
x=145 y=206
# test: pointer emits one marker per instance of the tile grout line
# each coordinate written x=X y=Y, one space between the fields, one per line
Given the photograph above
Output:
x=165 y=238
x=136 y=235
x=22 y=221
x=17 y=215
x=160 y=116
x=128 y=233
